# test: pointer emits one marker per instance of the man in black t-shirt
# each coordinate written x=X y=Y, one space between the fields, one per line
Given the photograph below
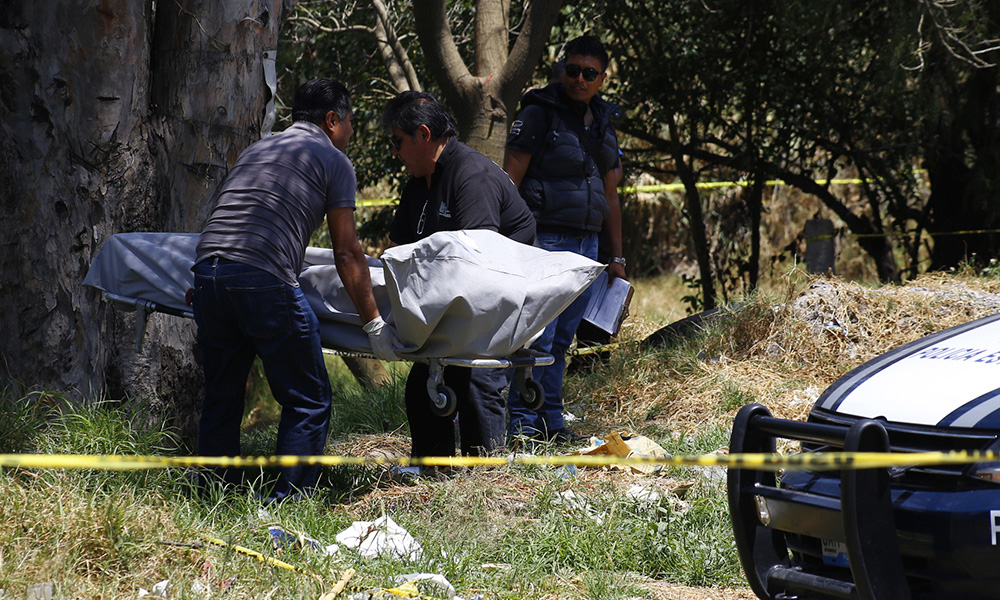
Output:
x=452 y=187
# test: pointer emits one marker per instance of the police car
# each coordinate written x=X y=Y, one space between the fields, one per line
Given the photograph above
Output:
x=926 y=532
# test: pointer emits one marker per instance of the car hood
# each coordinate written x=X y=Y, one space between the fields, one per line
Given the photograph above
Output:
x=949 y=378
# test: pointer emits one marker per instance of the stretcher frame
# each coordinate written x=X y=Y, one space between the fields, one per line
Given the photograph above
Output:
x=443 y=400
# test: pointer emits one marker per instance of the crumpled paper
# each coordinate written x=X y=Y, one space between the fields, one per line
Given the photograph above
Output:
x=628 y=445
x=380 y=538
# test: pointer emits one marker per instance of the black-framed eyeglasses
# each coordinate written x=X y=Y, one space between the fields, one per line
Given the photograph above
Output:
x=574 y=71
x=395 y=143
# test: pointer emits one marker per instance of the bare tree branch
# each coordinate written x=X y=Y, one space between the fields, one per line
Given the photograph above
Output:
x=443 y=58
x=394 y=55
x=541 y=15
x=956 y=40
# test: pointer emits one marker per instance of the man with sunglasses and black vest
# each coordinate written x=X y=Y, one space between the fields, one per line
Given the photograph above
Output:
x=562 y=153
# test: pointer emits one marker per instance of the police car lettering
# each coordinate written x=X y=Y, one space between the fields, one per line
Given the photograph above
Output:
x=959 y=389
x=941 y=353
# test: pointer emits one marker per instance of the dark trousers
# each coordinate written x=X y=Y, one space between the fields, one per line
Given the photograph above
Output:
x=555 y=340
x=242 y=312
x=481 y=412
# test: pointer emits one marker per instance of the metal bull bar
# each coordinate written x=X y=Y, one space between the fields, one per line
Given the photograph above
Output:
x=764 y=516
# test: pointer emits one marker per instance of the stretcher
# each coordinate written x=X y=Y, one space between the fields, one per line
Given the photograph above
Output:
x=471 y=299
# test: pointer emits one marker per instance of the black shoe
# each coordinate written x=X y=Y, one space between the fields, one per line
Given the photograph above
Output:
x=566 y=437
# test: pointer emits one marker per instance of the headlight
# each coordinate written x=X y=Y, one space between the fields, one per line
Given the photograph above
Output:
x=988 y=471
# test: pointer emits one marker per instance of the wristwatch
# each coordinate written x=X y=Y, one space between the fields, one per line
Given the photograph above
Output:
x=618 y=259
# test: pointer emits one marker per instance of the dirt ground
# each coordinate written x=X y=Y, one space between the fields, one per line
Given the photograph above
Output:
x=664 y=591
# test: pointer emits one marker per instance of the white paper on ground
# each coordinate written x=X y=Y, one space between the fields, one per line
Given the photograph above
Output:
x=380 y=538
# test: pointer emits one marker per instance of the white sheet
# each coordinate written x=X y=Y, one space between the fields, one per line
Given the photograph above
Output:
x=466 y=294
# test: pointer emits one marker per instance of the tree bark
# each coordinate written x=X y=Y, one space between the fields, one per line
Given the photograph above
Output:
x=394 y=57
x=696 y=217
x=75 y=167
x=755 y=205
x=96 y=141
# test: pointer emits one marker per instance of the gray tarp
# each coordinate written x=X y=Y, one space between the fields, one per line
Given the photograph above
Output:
x=464 y=294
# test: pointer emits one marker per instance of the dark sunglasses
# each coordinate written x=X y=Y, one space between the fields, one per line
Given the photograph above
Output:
x=589 y=74
x=395 y=143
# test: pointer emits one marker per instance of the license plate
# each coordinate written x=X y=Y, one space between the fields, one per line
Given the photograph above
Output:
x=835 y=553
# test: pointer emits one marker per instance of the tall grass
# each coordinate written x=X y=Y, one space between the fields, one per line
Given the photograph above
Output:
x=508 y=533
x=501 y=532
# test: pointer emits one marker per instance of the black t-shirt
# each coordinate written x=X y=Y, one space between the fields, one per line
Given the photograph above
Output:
x=468 y=191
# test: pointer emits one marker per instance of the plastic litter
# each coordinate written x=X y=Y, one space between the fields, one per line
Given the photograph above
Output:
x=39 y=591
x=289 y=539
x=404 y=474
x=429 y=584
x=577 y=504
x=566 y=472
x=410 y=589
x=380 y=538
x=159 y=590
x=284 y=538
x=641 y=493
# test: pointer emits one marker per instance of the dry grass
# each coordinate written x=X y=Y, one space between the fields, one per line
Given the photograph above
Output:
x=781 y=352
x=96 y=536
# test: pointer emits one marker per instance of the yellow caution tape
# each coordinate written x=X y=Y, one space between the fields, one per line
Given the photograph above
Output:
x=254 y=554
x=712 y=185
x=378 y=202
x=660 y=187
x=811 y=461
x=592 y=349
x=668 y=187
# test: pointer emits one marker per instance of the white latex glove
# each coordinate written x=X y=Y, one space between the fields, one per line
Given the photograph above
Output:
x=382 y=339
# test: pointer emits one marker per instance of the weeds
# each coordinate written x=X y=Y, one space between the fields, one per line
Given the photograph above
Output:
x=510 y=533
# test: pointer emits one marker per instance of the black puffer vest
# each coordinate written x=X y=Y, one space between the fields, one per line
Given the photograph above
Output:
x=564 y=185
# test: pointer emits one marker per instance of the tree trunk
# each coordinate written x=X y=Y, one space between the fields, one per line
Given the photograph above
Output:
x=76 y=168
x=963 y=162
x=113 y=145
x=696 y=216
x=755 y=205
x=484 y=101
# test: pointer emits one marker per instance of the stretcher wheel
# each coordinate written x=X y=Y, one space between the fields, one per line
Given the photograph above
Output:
x=532 y=393
x=445 y=403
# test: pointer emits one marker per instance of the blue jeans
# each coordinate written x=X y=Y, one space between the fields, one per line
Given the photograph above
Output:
x=242 y=312
x=555 y=340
